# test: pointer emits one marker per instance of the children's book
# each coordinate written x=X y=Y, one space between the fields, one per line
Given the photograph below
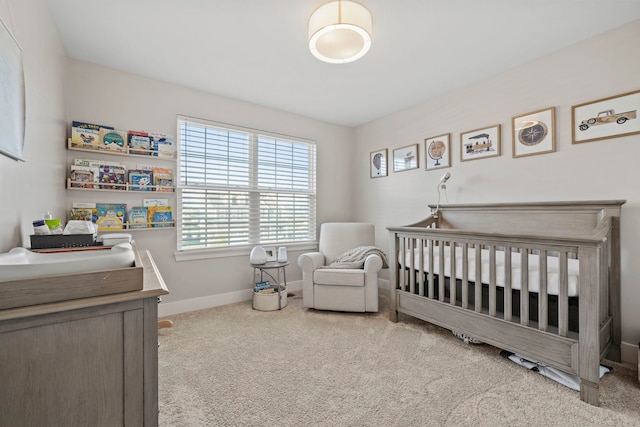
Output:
x=139 y=143
x=82 y=214
x=86 y=135
x=160 y=216
x=163 y=179
x=111 y=216
x=84 y=177
x=113 y=177
x=83 y=207
x=138 y=217
x=140 y=180
x=161 y=144
x=113 y=140
x=155 y=202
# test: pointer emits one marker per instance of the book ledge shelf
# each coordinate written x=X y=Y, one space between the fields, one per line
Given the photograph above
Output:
x=123 y=151
x=141 y=226
x=92 y=186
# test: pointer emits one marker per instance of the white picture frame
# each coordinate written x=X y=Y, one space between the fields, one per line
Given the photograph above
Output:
x=378 y=163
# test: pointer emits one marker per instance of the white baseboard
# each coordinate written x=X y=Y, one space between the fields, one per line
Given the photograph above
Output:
x=209 y=301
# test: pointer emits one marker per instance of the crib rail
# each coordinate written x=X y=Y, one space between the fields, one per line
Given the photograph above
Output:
x=475 y=285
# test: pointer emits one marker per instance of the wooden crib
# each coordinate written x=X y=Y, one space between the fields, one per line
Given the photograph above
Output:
x=559 y=306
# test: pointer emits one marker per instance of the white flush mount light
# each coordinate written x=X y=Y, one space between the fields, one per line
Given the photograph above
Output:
x=340 y=32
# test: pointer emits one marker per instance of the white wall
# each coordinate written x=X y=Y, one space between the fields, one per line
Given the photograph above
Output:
x=129 y=102
x=36 y=185
x=608 y=169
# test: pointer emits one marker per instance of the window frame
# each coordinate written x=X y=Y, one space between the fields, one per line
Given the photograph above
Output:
x=252 y=190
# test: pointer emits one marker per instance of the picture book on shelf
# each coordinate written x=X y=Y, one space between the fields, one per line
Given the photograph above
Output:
x=86 y=135
x=155 y=202
x=161 y=144
x=139 y=143
x=84 y=177
x=113 y=177
x=113 y=140
x=163 y=179
x=138 y=217
x=82 y=209
x=81 y=214
x=140 y=180
x=160 y=216
x=111 y=216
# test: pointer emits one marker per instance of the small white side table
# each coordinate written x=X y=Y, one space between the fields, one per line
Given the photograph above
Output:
x=278 y=299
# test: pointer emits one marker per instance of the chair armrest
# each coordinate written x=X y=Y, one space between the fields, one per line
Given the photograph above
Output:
x=310 y=261
x=372 y=264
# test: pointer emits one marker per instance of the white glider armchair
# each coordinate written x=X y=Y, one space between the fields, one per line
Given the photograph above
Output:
x=341 y=289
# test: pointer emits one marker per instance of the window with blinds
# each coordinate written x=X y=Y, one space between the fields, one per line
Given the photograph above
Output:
x=243 y=187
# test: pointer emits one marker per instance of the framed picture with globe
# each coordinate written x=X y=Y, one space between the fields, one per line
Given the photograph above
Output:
x=437 y=152
x=378 y=163
x=534 y=133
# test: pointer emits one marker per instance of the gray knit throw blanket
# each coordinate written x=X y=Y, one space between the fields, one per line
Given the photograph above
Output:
x=354 y=258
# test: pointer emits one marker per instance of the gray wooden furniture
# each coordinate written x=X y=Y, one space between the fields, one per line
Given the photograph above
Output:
x=571 y=333
x=83 y=361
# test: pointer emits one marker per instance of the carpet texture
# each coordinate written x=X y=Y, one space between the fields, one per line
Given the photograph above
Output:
x=234 y=366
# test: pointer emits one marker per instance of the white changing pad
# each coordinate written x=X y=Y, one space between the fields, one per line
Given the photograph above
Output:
x=553 y=276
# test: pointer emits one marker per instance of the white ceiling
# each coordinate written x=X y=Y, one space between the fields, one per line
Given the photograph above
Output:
x=256 y=50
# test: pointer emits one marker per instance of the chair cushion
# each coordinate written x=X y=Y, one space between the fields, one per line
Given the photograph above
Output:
x=339 y=276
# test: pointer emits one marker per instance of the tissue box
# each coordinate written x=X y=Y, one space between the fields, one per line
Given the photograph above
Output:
x=114 y=239
x=47 y=241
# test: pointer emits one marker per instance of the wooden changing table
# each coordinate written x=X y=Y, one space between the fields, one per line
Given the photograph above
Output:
x=90 y=361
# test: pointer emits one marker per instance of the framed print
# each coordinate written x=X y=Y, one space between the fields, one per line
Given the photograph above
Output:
x=271 y=253
x=405 y=158
x=480 y=143
x=437 y=152
x=12 y=96
x=378 y=163
x=534 y=133
x=606 y=118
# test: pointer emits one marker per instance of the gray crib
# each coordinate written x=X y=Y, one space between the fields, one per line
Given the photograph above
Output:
x=538 y=279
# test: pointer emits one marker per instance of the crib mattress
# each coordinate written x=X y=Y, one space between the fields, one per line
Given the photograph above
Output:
x=553 y=276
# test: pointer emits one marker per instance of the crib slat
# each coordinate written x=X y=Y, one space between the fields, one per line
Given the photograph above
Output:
x=431 y=267
x=524 y=286
x=420 y=245
x=543 y=297
x=563 y=295
x=465 y=275
x=441 y=278
x=477 y=304
x=492 y=280
x=402 y=271
x=412 y=269
x=508 y=309
x=452 y=276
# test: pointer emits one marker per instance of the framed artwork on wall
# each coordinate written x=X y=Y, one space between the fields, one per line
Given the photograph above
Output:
x=378 y=163
x=437 y=152
x=534 y=133
x=405 y=158
x=480 y=143
x=605 y=118
x=12 y=96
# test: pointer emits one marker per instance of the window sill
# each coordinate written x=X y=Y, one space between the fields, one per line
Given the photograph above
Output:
x=192 y=255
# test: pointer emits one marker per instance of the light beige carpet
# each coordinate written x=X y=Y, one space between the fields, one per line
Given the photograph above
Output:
x=234 y=366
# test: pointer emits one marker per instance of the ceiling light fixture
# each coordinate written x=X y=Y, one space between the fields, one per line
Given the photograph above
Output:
x=340 y=32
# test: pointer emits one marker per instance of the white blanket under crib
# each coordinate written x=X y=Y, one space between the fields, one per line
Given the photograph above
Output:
x=553 y=276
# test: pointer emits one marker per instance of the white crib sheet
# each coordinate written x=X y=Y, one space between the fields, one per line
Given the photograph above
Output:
x=553 y=276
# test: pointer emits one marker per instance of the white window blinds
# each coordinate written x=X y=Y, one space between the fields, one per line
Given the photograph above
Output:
x=242 y=187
